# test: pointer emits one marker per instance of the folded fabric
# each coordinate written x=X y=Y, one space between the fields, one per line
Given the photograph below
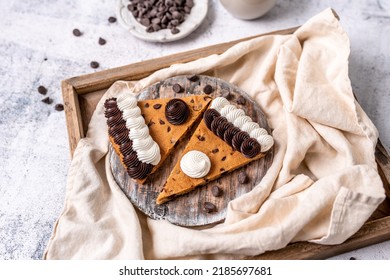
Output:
x=322 y=186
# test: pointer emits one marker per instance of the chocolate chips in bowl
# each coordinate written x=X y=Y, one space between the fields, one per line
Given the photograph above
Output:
x=161 y=20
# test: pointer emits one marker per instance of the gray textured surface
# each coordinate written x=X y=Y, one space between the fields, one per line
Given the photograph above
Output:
x=34 y=153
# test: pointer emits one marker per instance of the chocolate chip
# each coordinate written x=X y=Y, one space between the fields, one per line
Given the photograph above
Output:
x=146 y=105
x=151 y=123
x=94 y=64
x=241 y=100
x=157 y=106
x=47 y=100
x=175 y=30
x=177 y=88
x=192 y=101
x=102 y=41
x=112 y=19
x=201 y=138
x=193 y=78
x=222 y=170
x=59 y=107
x=225 y=93
x=352 y=258
x=242 y=177
x=77 y=32
x=42 y=90
x=168 y=128
x=209 y=207
x=216 y=191
x=223 y=158
x=208 y=89
x=214 y=151
x=161 y=121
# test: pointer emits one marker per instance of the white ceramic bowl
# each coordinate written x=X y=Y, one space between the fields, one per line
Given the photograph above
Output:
x=192 y=21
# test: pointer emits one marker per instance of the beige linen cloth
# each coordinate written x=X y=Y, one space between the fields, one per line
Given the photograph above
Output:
x=322 y=186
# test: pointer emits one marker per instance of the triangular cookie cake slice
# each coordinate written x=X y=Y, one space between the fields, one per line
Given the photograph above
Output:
x=144 y=132
x=224 y=140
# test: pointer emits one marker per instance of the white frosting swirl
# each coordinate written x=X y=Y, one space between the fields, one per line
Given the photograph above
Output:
x=127 y=103
x=266 y=142
x=227 y=109
x=195 y=164
x=131 y=113
x=235 y=114
x=151 y=155
x=143 y=143
x=250 y=126
x=135 y=123
x=122 y=96
x=139 y=133
x=240 y=121
x=257 y=132
x=218 y=103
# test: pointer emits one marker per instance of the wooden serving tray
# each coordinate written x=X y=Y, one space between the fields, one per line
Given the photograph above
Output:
x=82 y=93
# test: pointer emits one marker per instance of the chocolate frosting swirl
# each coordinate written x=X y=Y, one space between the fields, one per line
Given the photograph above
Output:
x=229 y=134
x=112 y=112
x=126 y=148
x=113 y=130
x=131 y=160
x=238 y=139
x=216 y=123
x=250 y=148
x=115 y=120
x=176 y=111
x=110 y=103
x=140 y=171
x=121 y=138
x=209 y=116
x=222 y=128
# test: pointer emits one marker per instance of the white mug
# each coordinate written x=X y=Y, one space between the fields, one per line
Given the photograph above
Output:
x=248 y=9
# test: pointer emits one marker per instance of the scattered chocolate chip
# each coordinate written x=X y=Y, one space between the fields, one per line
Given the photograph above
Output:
x=223 y=159
x=242 y=177
x=151 y=123
x=216 y=191
x=45 y=59
x=102 y=41
x=157 y=106
x=168 y=128
x=42 y=90
x=94 y=64
x=201 y=138
x=146 y=105
x=352 y=258
x=175 y=30
x=208 y=89
x=161 y=121
x=77 y=32
x=177 y=88
x=193 y=78
x=209 y=207
x=192 y=101
x=59 y=107
x=222 y=169
x=241 y=100
x=214 y=151
x=47 y=100
x=225 y=93
x=112 y=19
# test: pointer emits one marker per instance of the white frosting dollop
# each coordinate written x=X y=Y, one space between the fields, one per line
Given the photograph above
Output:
x=139 y=133
x=266 y=142
x=195 y=164
x=127 y=103
x=143 y=143
x=240 y=121
x=135 y=123
x=227 y=109
x=235 y=114
x=250 y=126
x=218 y=103
x=256 y=133
x=131 y=113
x=151 y=155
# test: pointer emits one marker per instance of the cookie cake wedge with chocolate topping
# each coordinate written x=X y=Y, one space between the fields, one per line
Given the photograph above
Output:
x=144 y=132
x=225 y=139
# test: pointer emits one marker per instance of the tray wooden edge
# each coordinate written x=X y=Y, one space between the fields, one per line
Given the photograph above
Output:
x=371 y=233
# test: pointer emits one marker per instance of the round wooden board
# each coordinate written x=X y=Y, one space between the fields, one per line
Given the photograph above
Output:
x=187 y=210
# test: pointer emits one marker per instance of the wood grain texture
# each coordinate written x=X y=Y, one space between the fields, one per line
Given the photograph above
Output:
x=187 y=210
